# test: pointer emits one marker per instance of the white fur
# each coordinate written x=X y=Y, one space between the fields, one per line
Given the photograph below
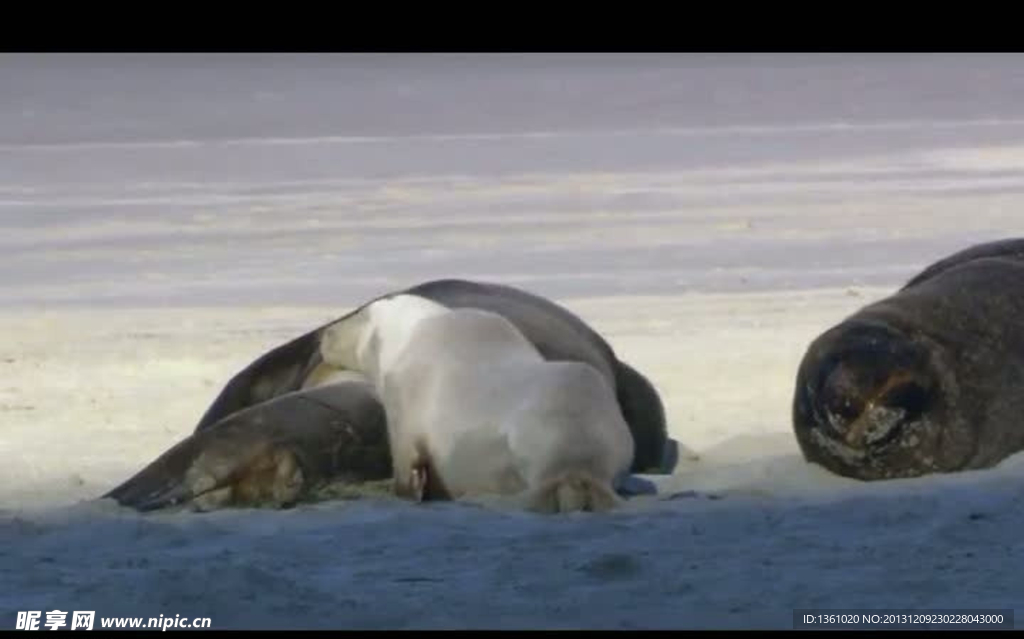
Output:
x=467 y=389
x=326 y=374
x=369 y=341
x=394 y=321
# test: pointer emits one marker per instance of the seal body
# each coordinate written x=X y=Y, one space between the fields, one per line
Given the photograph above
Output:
x=474 y=409
x=555 y=332
x=930 y=379
x=276 y=453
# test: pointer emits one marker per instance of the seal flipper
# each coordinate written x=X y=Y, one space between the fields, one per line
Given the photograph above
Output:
x=634 y=486
x=279 y=371
x=282 y=370
x=145 y=499
x=645 y=414
x=272 y=478
x=275 y=453
x=573 y=491
x=162 y=482
x=193 y=470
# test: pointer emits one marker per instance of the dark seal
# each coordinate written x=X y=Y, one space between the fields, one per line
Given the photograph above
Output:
x=927 y=380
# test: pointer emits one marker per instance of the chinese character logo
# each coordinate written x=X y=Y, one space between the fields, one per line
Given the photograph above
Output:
x=28 y=620
x=82 y=619
x=55 y=619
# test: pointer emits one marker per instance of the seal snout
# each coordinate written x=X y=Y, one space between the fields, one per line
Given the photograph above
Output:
x=865 y=407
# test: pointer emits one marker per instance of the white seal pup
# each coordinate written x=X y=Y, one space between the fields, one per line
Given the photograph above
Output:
x=474 y=409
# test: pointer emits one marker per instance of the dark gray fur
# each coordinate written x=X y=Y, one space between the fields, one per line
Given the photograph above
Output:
x=336 y=433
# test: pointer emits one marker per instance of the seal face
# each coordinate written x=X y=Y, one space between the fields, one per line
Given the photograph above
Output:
x=868 y=402
x=930 y=379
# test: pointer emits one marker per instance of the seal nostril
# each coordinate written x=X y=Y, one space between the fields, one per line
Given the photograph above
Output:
x=899 y=401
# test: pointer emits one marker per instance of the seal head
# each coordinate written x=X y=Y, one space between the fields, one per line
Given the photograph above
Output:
x=873 y=402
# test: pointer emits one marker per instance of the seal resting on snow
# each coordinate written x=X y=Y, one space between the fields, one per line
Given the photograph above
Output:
x=245 y=432
x=474 y=409
x=928 y=380
x=557 y=334
x=275 y=454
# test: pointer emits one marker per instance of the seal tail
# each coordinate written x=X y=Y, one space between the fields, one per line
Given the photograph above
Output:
x=164 y=482
x=266 y=475
x=146 y=499
x=575 y=491
x=152 y=489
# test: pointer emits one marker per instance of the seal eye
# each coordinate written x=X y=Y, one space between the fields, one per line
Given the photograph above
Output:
x=910 y=397
x=841 y=395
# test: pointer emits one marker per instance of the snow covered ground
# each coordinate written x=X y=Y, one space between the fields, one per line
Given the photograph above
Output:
x=164 y=220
